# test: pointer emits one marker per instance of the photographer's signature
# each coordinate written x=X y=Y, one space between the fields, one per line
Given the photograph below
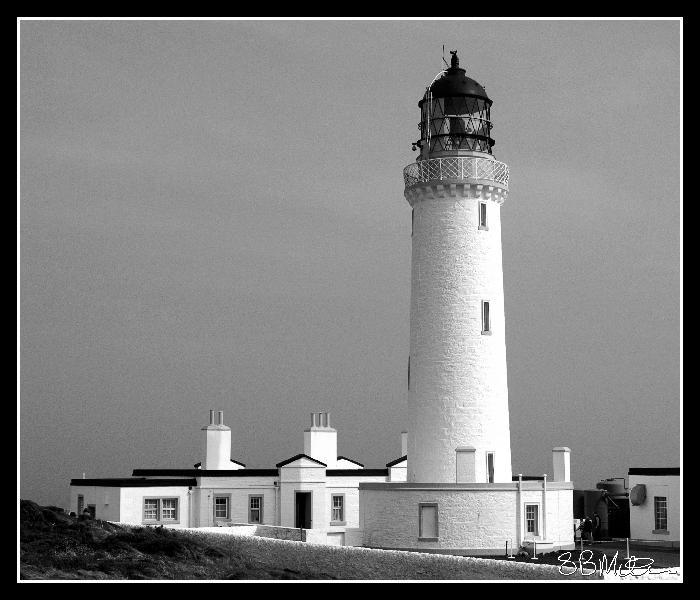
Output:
x=632 y=566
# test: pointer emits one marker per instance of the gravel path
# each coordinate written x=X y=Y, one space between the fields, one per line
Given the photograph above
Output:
x=346 y=562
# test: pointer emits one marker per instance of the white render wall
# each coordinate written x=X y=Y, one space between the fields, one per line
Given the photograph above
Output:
x=458 y=393
x=239 y=489
x=470 y=518
x=349 y=487
x=303 y=476
x=642 y=516
x=132 y=503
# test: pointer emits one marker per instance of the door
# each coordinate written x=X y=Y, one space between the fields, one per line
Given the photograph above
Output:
x=302 y=510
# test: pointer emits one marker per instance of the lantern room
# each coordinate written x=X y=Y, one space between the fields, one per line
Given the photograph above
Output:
x=455 y=115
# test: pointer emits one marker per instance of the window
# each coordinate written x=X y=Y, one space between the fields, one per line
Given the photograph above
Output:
x=532 y=524
x=168 y=511
x=428 y=521
x=482 y=216
x=255 y=509
x=489 y=467
x=150 y=509
x=157 y=510
x=660 y=513
x=81 y=504
x=338 y=508
x=221 y=507
x=485 y=318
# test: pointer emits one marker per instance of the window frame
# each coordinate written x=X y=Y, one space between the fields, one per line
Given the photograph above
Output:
x=159 y=510
x=486 y=317
x=260 y=509
x=226 y=497
x=658 y=500
x=536 y=506
x=483 y=216
x=490 y=473
x=421 y=506
x=342 y=520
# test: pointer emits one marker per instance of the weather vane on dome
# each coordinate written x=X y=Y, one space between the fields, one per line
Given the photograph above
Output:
x=454 y=61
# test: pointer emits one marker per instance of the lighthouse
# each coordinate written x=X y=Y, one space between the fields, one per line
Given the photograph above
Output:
x=457 y=385
x=460 y=495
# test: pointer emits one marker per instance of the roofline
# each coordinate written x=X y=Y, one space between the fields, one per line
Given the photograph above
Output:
x=356 y=472
x=205 y=472
x=297 y=457
x=655 y=471
x=350 y=460
x=397 y=461
x=141 y=482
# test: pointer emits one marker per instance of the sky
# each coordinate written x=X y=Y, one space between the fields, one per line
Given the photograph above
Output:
x=211 y=216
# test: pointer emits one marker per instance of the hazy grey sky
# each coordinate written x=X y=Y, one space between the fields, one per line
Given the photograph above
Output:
x=212 y=216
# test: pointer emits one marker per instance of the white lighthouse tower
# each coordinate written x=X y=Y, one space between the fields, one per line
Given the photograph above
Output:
x=458 y=394
x=460 y=495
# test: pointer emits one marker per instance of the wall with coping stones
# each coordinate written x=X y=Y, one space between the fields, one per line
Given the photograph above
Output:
x=468 y=519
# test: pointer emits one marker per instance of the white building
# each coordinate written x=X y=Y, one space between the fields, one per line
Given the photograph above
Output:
x=316 y=490
x=453 y=489
x=655 y=505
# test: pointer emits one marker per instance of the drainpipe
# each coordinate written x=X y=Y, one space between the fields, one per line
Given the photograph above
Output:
x=189 y=507
x=518 y=516
x=544 y=508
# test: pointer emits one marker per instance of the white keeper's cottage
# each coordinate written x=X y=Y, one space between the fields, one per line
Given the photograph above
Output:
x=316 y=490
x=452 y=489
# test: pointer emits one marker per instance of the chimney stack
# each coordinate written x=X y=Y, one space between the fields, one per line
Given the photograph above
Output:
x=321 y=440
x=561 y=462
x=404 y=443
x=217 y=443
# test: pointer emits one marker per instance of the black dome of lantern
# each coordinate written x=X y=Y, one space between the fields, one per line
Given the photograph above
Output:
x=455 y=115
x=454 y=82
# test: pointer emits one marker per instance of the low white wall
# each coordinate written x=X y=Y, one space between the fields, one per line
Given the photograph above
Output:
x=471 y=518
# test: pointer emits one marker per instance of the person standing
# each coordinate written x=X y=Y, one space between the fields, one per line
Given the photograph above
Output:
x=587 y=529
x=596 y=526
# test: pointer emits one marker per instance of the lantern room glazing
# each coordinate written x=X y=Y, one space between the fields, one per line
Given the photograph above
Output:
x=455 y=115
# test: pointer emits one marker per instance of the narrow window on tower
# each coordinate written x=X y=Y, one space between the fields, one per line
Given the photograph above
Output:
x=412 y=221
x=409 y=372
x=483 y=224
x=489 y=467
x=485 y=318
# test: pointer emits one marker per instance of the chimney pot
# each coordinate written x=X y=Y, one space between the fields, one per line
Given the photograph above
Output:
x=211 y=417
x=328 y=419
x=221 y=418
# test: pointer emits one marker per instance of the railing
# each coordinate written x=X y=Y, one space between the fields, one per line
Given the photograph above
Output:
x=457 y=167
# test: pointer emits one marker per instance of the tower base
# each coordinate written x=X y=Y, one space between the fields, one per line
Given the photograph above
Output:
x=467 y=518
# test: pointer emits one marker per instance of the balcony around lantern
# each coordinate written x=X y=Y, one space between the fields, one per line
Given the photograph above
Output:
x=457 y=169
